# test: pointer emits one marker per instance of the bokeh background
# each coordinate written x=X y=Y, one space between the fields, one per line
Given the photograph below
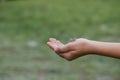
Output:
x=26 y=26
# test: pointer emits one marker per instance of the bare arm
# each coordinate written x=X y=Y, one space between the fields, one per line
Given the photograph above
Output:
x=81 y=47
x=105 y=48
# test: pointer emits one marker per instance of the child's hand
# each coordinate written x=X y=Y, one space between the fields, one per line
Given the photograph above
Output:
x=71 y=50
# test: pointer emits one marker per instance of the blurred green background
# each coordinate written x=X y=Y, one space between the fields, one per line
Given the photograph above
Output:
x=26 y=26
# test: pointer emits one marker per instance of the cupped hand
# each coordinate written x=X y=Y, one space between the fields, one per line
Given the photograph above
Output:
x=71 y=50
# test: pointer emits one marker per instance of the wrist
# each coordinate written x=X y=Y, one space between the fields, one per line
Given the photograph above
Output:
x=95 y=47
x=90 y=47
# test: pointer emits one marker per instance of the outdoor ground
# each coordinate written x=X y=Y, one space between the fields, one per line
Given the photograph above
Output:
x=26 y=26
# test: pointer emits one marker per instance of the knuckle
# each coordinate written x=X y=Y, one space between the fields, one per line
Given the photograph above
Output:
x=58 y=50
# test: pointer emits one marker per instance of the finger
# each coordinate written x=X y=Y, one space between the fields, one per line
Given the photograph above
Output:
x=52 y=40
x=69 y=55
x=52 y=45
x=64 y=48
x=57 y=42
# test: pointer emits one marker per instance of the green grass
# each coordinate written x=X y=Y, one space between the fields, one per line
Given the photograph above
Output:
x=22 y=22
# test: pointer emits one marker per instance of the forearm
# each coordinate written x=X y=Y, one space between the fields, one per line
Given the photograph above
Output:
x=105 y=49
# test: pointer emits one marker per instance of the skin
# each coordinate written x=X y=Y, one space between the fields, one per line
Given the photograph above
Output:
x=81 y=47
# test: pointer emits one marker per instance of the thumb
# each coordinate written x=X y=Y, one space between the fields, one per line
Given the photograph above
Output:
x=64 y=48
